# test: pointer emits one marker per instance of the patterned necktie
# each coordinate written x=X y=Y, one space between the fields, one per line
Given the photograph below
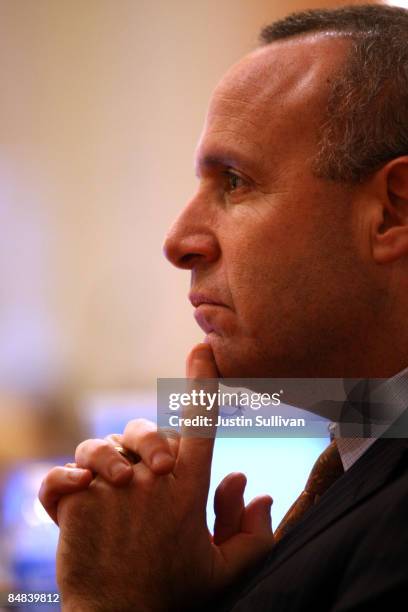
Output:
x=326 y=470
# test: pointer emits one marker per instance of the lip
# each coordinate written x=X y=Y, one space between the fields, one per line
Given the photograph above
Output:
x=203 y=317
x=197 y=299
x=205 y=312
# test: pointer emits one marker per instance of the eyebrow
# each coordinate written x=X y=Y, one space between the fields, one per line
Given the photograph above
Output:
x=225 y=159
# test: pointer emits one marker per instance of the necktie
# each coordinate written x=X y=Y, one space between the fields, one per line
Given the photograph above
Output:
x=326 y=470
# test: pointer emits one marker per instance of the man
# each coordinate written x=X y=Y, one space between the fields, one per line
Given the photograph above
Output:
x=297 y=242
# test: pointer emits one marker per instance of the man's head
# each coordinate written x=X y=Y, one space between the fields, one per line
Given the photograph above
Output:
x=300 y=248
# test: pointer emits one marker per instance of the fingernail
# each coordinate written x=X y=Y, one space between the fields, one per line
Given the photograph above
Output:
x=118 y=469
x=161 y=459
x=75 y=474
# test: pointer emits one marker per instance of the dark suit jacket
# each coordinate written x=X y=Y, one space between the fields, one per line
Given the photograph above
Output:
x=349 y=552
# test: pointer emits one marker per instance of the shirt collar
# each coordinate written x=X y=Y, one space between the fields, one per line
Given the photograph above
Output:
x=390 y=395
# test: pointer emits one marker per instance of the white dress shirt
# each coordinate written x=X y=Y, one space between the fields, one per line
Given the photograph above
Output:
x=393 y=393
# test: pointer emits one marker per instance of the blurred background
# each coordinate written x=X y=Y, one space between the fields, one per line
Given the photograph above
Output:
x=101 y=105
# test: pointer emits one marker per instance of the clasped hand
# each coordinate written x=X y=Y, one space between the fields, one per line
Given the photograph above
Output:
x=135 y=536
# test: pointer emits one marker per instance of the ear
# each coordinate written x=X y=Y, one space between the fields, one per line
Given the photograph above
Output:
x=389 y=230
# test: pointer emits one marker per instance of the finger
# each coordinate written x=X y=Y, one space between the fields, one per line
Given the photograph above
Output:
x=196 y=444
x=117 y=442
x=100 y=456
x=256 y=517
x=173 y=440
x=156 y=450
x=200 y=362
x=229 y=507
x=256 y=539
x=61 y=481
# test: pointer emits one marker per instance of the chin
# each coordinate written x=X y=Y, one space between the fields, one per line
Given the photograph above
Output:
x=234 y=361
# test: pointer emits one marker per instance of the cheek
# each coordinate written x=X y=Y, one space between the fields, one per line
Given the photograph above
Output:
x=266 y=246
x=258 y=279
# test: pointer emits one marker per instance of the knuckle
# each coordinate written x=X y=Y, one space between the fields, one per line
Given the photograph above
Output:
x=51 y=478
x=83 y=446
x=43 y=497
x=100 y=450
x=153 y=438
x=170 y=434
x=138 y=425
x=113 y=439
x=43 y=492
x=144 y=478
x=50 y=484
x=172 y=438
x=90 y=451
x=73 y=506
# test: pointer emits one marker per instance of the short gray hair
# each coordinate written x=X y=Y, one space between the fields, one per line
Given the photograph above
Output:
x=366 y=123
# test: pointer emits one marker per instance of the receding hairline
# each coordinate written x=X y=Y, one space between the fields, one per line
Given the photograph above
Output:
x=313 y=36
x=366 y=121
x=326 y=33
x=356 y=21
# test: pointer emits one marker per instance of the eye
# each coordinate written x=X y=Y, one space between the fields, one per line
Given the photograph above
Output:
x=233 y=181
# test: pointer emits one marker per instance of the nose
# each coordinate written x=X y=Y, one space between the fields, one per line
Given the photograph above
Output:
x=191 y=242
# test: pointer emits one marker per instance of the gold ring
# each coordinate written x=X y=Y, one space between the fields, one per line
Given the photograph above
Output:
x=128 y=454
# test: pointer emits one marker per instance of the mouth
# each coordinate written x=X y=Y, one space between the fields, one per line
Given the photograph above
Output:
x=205 y=312
x=197 y=299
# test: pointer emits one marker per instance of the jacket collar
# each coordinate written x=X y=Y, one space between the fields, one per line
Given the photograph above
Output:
x=370 y=473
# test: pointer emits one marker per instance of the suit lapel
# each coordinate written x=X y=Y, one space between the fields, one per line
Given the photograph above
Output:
x=367 y=475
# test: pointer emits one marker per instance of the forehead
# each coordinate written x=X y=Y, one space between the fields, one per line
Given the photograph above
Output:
x=272 y=100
